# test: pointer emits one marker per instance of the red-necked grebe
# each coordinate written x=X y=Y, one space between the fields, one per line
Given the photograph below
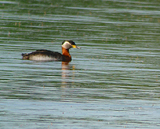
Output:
x=47 y=55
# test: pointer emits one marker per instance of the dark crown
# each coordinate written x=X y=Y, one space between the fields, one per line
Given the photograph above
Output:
x=70 y=41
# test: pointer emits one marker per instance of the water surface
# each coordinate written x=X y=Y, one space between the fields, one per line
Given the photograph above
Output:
x=112 y=82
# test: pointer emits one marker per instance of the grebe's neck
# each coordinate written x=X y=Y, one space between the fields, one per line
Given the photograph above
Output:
x=65 y=52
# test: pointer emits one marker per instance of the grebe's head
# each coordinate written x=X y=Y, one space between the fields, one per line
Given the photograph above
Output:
x=67 y=44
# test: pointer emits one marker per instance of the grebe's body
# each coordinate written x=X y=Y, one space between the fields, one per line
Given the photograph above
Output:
x=47 y=55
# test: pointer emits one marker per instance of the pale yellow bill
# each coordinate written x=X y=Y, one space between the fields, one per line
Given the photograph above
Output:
x=74 y=46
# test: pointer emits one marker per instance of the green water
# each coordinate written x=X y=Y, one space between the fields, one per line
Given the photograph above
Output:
x=112 y=82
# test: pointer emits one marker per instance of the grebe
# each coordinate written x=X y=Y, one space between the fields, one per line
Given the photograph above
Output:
x=47 y=55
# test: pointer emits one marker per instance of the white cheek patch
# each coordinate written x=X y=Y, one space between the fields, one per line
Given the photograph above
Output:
x=66 y=45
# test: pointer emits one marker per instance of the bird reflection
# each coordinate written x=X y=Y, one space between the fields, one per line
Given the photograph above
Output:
x=67 y=72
